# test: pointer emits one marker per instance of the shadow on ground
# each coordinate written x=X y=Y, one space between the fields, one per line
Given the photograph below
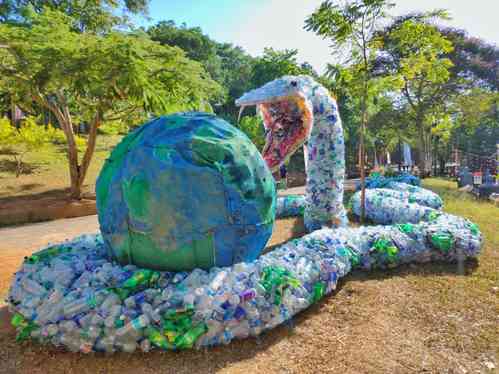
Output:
x=10 y=166
x=56 y=194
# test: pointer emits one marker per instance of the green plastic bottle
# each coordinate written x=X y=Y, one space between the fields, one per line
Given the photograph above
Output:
x=352 y=256
x=443 y=241
x=46 y=254
x=157 y=338
x=434 y=215
x=276 y=279
x=318 y=292
x=386 y=247
x=406 y=228
x=141 y=278
x=188 y=339
x=473 y=228
x=25 y=326
x=18 y=320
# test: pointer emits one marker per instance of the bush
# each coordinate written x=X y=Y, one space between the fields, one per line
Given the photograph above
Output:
x=7 y=133
x=114 y=128
x=252 y=126
x=57 y=136
x=29 y=137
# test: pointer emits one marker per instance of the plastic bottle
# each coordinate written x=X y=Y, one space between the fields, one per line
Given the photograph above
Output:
x=145 y=345
x=152 y=313
x=140 y=277
x=247 y=295
x=78 y=306
x=188 y=339
x=111 y=300
x=157 y=338
x=33 y=287
x=217 y=282
x=136 y=325
x=106 y=344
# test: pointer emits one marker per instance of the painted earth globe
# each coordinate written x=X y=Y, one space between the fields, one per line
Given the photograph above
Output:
x=185 y=191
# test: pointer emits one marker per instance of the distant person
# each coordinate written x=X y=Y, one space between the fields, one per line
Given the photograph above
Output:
x=282 y=175
x=282 y=171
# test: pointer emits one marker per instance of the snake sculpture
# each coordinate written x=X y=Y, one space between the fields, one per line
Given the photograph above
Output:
x=165 y=310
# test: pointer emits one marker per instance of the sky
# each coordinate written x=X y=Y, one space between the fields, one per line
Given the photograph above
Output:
x=256 y=24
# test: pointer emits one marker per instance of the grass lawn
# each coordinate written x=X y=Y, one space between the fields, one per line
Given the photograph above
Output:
x=47 y=171
x=421 y=318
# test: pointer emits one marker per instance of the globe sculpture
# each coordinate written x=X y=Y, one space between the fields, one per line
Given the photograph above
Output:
x=185 y=191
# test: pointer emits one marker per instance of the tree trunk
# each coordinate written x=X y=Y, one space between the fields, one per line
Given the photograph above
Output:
x=78 y=172
x=65 y=121
x=19 y=166
x=87 y=157
x=61 y=111
x=363 y=127
x=72 y=152
x=423 y=155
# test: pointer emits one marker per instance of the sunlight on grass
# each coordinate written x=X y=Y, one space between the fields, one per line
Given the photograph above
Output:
x=49 y=169
x=472 y=298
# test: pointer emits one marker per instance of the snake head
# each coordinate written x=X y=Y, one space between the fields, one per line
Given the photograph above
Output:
x=287 y=116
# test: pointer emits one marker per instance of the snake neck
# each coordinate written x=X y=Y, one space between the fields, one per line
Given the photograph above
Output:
x=326 y=131
x=324 y=163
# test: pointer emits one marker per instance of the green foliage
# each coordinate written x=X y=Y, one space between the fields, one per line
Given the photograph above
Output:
x=29 y=137
x=115 y=72
x=197 y=46
x=476 y=116
x=252 y=126
x=57 y=137
x=96 y=15
x=7 y=134
x=350 y=24
x=420 y=48
x=474 y=108
x=229 y=66
x=96 y=77
x=415 y=53
x=274 y=64
x=235 y=70
x=117 y=127
x=475 y=62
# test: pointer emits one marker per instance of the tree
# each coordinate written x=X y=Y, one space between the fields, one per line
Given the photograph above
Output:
x=228 y=65
x=274 y=64
x=95 y=15
x=476 y=121
x=353 y=25
x=475 y=63
x=93 y=78
x=252 y=126
x=415 y=51
x=197 y=46
x=237 y=70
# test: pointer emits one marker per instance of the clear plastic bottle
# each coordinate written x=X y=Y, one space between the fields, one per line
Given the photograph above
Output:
x=78 y=306
x=145 y=345
x=218 y=280
x=152 y=313
x=129 y=346
x=137 y=324
x=33 y=287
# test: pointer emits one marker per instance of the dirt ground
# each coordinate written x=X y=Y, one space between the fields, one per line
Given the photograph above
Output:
x=433 y=318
